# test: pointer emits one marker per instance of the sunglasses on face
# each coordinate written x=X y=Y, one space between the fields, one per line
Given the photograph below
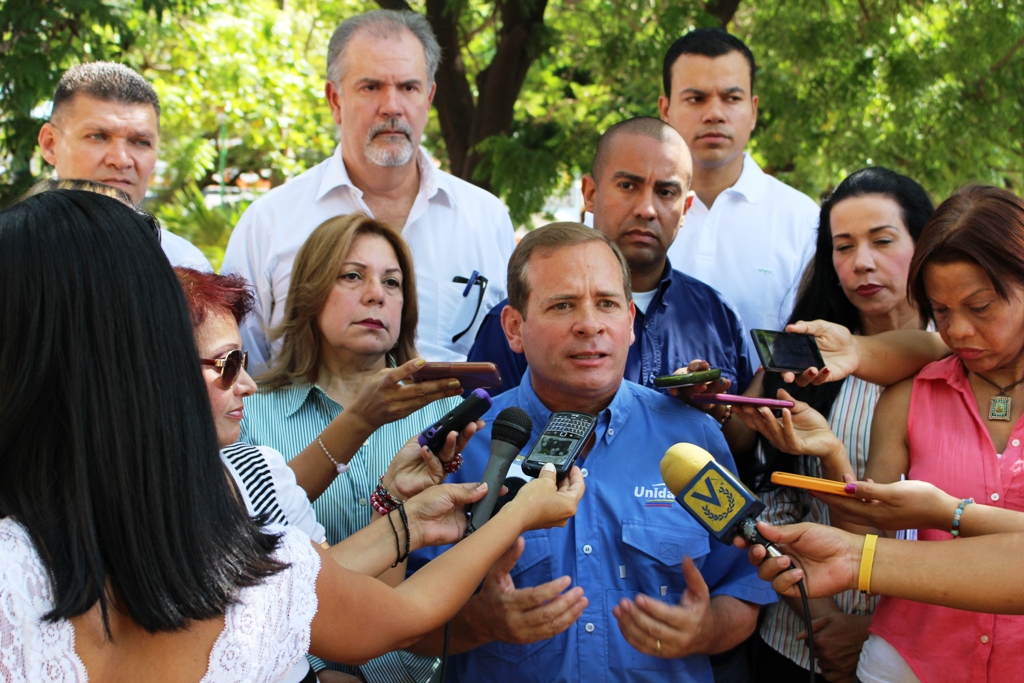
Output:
x=231 y=366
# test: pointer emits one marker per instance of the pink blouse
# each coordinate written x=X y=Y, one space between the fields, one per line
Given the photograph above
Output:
x=951 y=448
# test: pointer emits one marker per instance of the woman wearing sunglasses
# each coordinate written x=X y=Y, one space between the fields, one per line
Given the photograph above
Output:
x=334 y=395
x=124 y=550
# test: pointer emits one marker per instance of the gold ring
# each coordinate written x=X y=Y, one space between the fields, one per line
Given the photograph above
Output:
x=657 y=644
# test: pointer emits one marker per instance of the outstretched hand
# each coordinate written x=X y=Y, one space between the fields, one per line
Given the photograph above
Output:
x=437 y=516
x=826 y=557
x=718 y=386
x=909 y=504
x=546 y=502
x=801 y=430
x=414 y=468
x=671 y=631
x=838 y=350
x=386 y=398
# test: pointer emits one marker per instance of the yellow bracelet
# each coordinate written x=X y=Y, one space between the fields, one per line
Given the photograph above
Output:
x=867 y=561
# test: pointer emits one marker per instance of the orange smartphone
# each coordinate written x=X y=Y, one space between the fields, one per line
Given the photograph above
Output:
x=811 y=483
x=470 y=375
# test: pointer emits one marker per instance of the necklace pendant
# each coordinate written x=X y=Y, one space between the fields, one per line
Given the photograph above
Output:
x=999 y=408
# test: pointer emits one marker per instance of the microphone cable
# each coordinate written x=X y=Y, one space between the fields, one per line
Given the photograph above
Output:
x=448 y=642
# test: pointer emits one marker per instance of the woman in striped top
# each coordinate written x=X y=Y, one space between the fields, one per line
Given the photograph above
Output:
x=858 y=278
x=346 y=342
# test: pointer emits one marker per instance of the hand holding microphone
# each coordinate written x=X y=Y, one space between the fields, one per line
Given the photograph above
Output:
x=509 y=434
x=713 y=495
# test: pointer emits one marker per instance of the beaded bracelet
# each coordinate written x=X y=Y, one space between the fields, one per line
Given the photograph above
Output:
x=867 y=561
x=399 y=557
x=453 y=465
x=382 y=500
x=340 y=466
x=956 y=516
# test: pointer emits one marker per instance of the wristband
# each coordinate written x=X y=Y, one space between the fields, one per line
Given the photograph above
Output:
x=867 y=561
x=955 y=530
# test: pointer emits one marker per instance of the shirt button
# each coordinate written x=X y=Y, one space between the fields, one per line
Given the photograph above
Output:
x=584 y=472
x=1015 y=442
x=362 y=501
x=590 y=628
x=587 y=549
x=995 y=496
x=984 y=639
x=611 y=432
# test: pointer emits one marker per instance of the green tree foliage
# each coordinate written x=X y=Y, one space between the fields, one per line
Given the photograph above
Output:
x=931 y=88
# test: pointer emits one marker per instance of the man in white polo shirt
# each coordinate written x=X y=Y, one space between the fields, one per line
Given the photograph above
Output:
x=380 y=83
x=747 y=234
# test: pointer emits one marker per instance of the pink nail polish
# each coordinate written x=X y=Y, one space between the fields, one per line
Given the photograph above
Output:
x=850 y=488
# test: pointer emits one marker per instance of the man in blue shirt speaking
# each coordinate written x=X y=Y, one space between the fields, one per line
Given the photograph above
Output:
x=571 y=313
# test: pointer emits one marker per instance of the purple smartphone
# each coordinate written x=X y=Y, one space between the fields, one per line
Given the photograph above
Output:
x=731 y=399
x=470 y=410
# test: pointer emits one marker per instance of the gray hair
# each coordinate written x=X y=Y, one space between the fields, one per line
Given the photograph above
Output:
x=383 y=23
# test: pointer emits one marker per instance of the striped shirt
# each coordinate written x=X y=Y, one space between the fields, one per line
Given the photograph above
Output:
x=288 y=420
x=850 y=421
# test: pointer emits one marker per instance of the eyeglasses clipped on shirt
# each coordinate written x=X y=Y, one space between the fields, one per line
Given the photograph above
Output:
x=474 y=280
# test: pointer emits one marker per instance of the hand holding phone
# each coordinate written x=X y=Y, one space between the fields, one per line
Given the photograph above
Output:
x=787 y=351
x=470 y=410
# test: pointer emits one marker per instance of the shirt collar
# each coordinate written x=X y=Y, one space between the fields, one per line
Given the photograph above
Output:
x=752 y=183
x=950 y=370
x=431 y=182
x=612 y=419
x=293 y=398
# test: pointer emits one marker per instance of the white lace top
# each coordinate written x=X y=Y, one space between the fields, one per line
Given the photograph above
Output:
x=265 y=633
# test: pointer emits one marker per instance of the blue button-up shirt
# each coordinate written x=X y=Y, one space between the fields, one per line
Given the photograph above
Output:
x=686 y=320
x=629 y=536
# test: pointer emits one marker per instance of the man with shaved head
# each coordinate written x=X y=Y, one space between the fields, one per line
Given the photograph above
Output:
x=639 y=191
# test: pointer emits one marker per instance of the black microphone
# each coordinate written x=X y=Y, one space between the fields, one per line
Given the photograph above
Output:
x=713 y=495
x=510 y=433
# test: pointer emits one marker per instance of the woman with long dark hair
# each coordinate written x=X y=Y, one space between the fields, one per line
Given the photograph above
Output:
x=123 y=547
x=858 y=278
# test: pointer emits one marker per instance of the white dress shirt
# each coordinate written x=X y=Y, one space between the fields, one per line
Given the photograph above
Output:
x=182 y=253
x=752 y=245
x=453 y=229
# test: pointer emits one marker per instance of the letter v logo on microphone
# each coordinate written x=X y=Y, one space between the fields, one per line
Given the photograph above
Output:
x=711 y=496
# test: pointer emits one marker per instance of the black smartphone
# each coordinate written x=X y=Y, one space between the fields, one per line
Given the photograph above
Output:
x=687 y=379
x=564 y=438
x=787 y=351
x=470 y=410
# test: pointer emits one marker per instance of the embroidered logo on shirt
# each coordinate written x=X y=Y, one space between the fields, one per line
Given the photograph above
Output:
x=655 y=495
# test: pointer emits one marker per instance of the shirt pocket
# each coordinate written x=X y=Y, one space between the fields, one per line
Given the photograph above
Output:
x=652 y=564
x=455 y=313
x=532 y=569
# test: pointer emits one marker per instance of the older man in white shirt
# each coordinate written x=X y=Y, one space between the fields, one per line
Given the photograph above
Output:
x=380 y=84
x=747 y=234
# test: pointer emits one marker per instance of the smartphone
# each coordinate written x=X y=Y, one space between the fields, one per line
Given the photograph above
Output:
x=470 y=410
x=787 y=351
x=811 y=483
x=470 y=375
x=734 y=400
x=687 y=379
x=564 y=438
